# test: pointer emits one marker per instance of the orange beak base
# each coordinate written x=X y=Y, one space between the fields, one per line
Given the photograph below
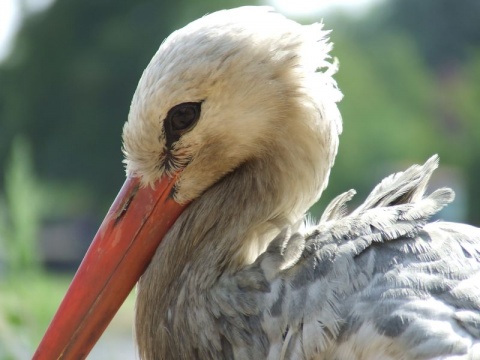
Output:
x=119 y=254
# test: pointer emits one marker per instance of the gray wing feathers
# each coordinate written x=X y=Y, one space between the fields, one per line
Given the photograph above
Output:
x=337 y=207
x=376 y=281
x=403 y=187
x=424 y=296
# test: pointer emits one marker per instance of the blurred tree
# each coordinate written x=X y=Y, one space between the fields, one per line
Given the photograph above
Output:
x=447 y=36
x=67 y=85
x=445 y=31
x=21 y=226
x=409 y=72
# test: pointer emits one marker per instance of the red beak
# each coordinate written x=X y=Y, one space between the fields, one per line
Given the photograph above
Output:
x=119 y=254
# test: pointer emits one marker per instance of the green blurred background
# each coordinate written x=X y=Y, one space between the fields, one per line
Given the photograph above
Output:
x=409 y=70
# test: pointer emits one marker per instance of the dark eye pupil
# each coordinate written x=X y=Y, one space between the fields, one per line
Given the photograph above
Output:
x=180 y=119
x=183 y=117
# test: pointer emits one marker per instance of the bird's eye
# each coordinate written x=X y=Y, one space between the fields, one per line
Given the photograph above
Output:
x=182 y=117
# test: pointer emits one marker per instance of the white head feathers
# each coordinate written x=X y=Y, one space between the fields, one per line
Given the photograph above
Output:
x=259 y=77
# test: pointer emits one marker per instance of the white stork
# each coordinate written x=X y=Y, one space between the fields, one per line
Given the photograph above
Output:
x=230 y=139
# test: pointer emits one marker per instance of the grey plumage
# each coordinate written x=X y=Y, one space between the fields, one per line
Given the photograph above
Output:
x=376 y=273
x=377 y=283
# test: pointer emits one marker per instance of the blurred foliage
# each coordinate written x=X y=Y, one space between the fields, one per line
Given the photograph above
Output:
x=445 y=31
x=25 y=317
x=27 y=303
x=25 y=202
x=405 y=99
x=20 y=224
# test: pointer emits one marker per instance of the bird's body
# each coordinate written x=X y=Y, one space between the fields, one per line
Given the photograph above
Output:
x=236 y=117
x=375 y=284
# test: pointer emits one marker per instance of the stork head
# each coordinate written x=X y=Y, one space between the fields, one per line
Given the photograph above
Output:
x=227 y=88
x=233 y=86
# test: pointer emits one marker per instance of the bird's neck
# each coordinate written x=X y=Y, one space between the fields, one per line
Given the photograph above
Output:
x=232 y=222
x=223 y=230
